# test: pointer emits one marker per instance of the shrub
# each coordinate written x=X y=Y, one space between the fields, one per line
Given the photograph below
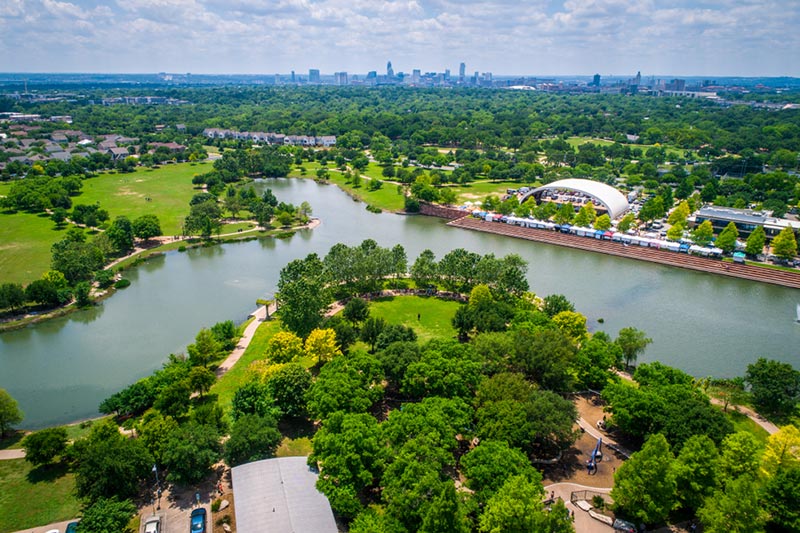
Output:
x=122 y=283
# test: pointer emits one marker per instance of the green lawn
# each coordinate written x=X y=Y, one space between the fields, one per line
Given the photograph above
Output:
x=385 y=198
x=33 y=497
x=577 y=141
x=299 y=447
x=435 y=315
x=478 y=190
x=169 y=189
x=226 y=386
x=25 y=242
x=742 y=423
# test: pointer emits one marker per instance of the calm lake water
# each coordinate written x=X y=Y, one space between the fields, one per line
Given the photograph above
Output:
x=60 y=370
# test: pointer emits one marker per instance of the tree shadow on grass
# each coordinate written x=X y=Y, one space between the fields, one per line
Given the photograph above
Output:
x=11 y=439
x=48 y=473
x=296 y=428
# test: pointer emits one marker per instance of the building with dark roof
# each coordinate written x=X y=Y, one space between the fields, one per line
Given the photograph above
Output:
x=746 y=220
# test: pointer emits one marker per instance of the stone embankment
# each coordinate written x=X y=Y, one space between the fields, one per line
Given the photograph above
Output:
x=784 y=278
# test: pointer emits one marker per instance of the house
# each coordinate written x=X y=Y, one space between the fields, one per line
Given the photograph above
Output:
x=117 y=153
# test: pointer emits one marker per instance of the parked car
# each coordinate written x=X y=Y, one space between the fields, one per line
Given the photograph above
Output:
x=153 y=525
x=72 y=527
x=622 y=525
x=198 y=521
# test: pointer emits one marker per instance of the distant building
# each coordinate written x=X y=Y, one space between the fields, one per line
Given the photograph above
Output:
x=676 y=85
x=340 y=78
x=415 y=75
x=313 y=75
x=596 y=80
x=293 y=78
x=389 y=70
x=746 y=220
x=462 y=70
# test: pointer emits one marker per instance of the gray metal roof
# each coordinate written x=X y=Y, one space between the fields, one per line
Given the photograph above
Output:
x=280 y=496
x=613 y=200
x=744 y=216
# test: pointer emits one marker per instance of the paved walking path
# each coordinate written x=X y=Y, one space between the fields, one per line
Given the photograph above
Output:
x=260 y=315
x=583 y=522
x=17 y=453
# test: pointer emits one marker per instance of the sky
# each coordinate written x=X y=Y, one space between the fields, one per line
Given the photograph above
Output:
x=531 y=37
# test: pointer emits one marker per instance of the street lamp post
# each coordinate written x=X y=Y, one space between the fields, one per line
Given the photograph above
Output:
x=158 y=487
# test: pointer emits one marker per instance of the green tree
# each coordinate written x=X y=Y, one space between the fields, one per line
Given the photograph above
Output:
x=488 y=466
x=781 y=494
x=734 y=510
x=675 y=233
x=703 y=233
x=121 y=234
x=350 y=453
x=321 y=346
x=174 y=399
x=205 y=349
x=110 y=464
x=252 y=438
x=517 y=508
x=756 y=241
x=252 y=398
x=556 y=303
x=288 y=387
x=726 y=240
x=633 y=343
x=372 y=328
x=586 y=215
x=350 y=383
x=626 y=223
x=302 y=295
x=356 y=310
x=652 y=209
x=146 y=227
x=775 y=387
x=10 y=413
x=425 y=270
x=106 y=515
x=784 y=245
x=201 y=379
x=76 y=260
x=565 y=214
x=695 y=471
x=190 y=452
x=782 y=451
x=45 y=445
x=284 y=347
x=445 y=513
x=12 y=296
x=644 y=486
x=740 y=455
x=603 y=222
x=154 y=429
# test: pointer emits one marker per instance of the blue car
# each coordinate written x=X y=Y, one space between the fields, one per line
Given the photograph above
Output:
x=72 y=527
x=198 y=521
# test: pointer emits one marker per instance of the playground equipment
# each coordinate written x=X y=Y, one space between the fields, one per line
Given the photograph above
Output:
x=597 y=455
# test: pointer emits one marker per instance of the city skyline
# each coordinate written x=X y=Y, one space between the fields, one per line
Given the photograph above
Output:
x=545 y=37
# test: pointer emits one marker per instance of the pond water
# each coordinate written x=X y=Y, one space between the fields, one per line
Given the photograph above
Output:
x=60 y=370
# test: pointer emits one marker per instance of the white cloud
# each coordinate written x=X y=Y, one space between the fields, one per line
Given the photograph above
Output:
x=505 y=36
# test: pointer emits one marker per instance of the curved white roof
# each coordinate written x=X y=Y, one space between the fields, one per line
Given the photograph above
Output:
x=610 y=198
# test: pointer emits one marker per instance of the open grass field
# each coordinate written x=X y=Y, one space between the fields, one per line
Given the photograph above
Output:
x=31 y=497
x=25 y=242
x=577 y=141
x=435 y=315
x=297 y=447
x=478 y=190
x=169 y=189
x=386 y=198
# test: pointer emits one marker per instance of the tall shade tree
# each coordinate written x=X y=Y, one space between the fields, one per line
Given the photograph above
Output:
x=633 y=343
x=284 y=347
x=252 y=438
x=425 y=270
x=734 y=510
x=784 y=245
x=695 y=471
x=755 y=242
x=146 y=227
x=517 y=508
x=726 y=240
x=45 y=445
x=679 y=214
x=191 y=451
x=703 y=233
x=781 y=494
x=644 y=486
x=106 y=515
x=321 y=345
x=627 y=222
x=775 y=387
x=603 y=222
x=302 y=295
x=121 y=234
x=10 y=413
x=782 y=451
